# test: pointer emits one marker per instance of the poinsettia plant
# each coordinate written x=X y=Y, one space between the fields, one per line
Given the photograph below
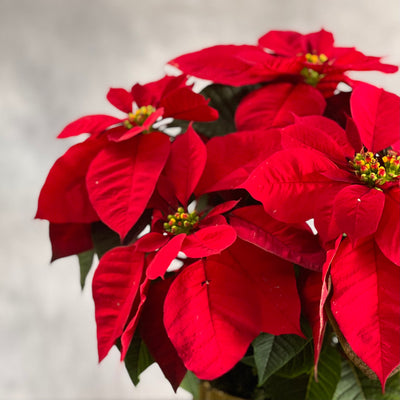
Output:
x=247 y=234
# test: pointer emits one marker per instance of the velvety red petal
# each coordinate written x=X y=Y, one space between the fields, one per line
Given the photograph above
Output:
x=121 y=99
x=151 y=93
x=153 y=333
x=310 y=287
x=366 y=304
x=348 y=58
x=129 y=331
x=151 y=241
x=285 y=43
x=221 y=209
x=295 y=243
x=115 y=287
x=233 y=65
x=208 y=240
x=123 y=176
x=231 y=158
x=289 y=183
x=163 y=258
x=275 y=105
x=377 y=116
x=216 y=307
x=324 y=222
x=318 y=42
x=185 y=164
x=322 y=134
x=184 y=104
x=64 y=197
x=93 y=124
x=69 y=239
x=388 y=234
x=319 y=326
x=353 y=135
x=357 y=210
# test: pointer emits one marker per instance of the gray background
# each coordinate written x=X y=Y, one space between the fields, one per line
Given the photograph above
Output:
x=57 y=61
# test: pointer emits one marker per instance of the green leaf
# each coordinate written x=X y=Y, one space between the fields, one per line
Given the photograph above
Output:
x=301 y=363
x=373 y=390
x=104 y=238
x=354 y=385
x=272 y=352
x=137 y=358
x=225 y=99
x=349 y=387
x=191 y=384
x=85 y=263
x=329 y=369
x=279 y=388
x=249 y=361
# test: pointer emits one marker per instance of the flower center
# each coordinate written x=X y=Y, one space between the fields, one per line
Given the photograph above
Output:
x=376 y=169
x=311 y=76
x=316 y=59
x=181 y=222
x=139 y=116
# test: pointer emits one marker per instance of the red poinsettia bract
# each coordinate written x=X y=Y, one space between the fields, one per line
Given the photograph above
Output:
x=217 y=306
x=312 y=58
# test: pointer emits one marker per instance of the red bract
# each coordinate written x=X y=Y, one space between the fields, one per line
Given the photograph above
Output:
x=314 y=172
x=152 y=330
x=276 y=104
x=323 y=62
x=216 y=307
x=168 y=97
x=235 y=65
x=116 y=286
x=64 y=197
x=292 y=242
x=366 y=304
x=69 y=239
x=122 y=178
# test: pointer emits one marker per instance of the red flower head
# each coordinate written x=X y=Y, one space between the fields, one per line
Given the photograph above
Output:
x=348 y=182
x=312 y=58
x=323 y=63
x=168 y=97
x=93 y=180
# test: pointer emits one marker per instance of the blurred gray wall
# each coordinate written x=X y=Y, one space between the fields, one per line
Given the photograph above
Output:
x=57 y=61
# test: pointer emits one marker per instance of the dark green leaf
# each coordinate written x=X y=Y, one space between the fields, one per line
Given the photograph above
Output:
x=272 y=352
x=349 y=387
x=137 y=359
x=249 y=361
x=104 y=238
x=225 y=99
x=301 y=363
x=279 y=388
x=191 y=384
x=329 y=369
x=85 y=263
x=373 y=390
